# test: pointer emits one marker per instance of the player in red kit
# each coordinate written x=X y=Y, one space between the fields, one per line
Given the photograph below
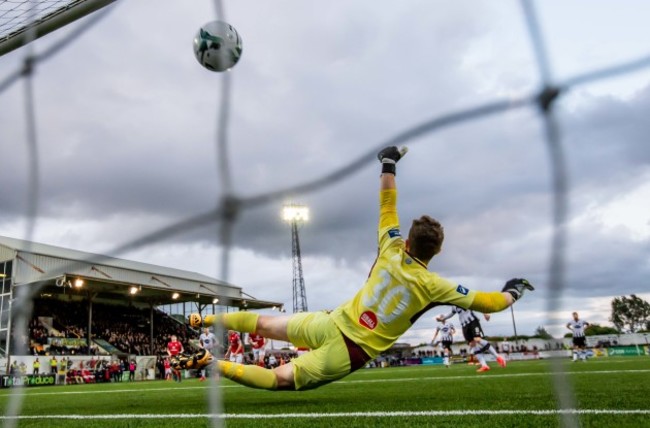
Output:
x=168 y=369
x=235 y=348
x=259 y=352
x=174 y=348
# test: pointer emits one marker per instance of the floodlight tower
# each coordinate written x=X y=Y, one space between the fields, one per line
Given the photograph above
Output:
x=296 y=215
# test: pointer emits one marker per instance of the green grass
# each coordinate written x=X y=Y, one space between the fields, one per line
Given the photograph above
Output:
x=366 y=398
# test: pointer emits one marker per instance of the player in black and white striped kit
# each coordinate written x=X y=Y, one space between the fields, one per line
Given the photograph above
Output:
x=473 y=334
x=447 y=332
x=577 y=327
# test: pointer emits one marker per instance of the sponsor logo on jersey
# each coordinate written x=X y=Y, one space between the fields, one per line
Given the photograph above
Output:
x=393 y=233
x=408 y=261
x=368 y=319
x=462 y=290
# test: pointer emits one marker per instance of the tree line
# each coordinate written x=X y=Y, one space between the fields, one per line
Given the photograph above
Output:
x=629 y=315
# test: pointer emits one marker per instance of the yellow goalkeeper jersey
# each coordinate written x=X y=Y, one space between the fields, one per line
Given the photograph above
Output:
x=399 y=289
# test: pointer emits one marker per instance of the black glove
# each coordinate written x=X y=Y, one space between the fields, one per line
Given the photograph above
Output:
x=179 y=362
x=389 y=157
x=516 y=287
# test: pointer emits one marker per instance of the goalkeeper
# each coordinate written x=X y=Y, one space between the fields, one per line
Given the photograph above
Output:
x=397 y=292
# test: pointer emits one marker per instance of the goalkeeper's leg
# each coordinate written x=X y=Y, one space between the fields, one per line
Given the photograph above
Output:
x=271 y=327
x=257 y=377
x=237 y=321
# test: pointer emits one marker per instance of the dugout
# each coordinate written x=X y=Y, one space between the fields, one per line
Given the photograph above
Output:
x=30 y=270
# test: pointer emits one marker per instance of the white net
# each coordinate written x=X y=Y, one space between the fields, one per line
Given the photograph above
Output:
x=233 y=171
x=22 y=21
x=18 y=15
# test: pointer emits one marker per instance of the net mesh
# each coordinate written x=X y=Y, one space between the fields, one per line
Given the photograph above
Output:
x=15 y=15
x=232 y=204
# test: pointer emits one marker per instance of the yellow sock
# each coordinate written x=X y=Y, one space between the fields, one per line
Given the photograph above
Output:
x=238 y=321
x=248 y=375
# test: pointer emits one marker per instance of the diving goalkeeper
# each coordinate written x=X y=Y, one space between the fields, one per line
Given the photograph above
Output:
x=397 y=292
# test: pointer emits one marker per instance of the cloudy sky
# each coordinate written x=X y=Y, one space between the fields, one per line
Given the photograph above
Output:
x=127 y=125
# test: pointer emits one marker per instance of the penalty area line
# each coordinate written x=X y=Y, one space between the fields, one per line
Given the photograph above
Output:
x=549 y=412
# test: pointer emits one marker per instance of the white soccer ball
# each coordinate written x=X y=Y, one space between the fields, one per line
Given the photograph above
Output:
x=217 y=46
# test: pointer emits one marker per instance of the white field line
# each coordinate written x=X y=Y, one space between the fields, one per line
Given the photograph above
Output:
x=478 y=376
x=428 y=413
x=341 y=382
x=536 y=362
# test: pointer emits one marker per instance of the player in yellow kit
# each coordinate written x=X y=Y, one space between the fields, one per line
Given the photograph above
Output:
x=397 y=292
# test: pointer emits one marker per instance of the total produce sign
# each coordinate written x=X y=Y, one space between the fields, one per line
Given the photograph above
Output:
x=8 y=381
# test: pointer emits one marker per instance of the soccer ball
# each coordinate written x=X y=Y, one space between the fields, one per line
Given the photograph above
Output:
x=195 y=320
x=217 y=46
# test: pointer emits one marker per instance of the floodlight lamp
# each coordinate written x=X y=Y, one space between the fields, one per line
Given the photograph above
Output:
x=291 y=213
x=133 y=290
x=175 y=296
x=215 y=301
x=78 y=282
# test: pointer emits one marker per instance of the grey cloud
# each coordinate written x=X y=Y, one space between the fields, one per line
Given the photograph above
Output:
x=127 y=125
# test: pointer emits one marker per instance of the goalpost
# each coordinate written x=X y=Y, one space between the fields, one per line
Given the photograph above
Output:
x=22 y=21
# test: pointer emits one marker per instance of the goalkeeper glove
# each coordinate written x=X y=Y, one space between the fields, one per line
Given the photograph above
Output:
x=389 y=157
x=195 y=320
x=516 y=287
x=179 y=362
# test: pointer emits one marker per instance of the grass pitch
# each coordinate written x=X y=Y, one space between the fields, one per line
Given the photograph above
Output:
x=608 y=392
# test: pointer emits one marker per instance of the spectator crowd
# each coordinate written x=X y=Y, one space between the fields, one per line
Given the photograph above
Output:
x=60 y=328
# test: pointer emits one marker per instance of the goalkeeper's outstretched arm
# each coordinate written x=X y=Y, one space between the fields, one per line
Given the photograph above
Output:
x=499 y=300
x=389 y=158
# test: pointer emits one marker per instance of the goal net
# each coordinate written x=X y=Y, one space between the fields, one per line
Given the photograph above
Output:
x=22 y=21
